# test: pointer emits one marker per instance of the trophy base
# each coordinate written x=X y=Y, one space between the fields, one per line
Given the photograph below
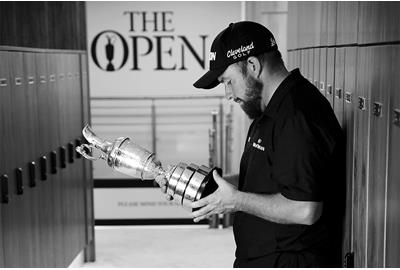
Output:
x=208 y=186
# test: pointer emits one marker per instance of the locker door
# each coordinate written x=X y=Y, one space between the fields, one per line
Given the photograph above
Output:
x=377 y=157
x=58 y=238
x=310 y=65
x=89 y=213
x=316 y=67
x=339 y=81
x=45 y=143
x=393 y=184
x=322 y=70
x=17 y=215
x=297 y=59
x=31 y=192
x=303 y=66
x=324 y=24
x=378 y=22
x=348 y=126
x=361 y=153
x=331 y=23
x=5 y=128
x=330 y=76
x=62 y=99
x=347 y=22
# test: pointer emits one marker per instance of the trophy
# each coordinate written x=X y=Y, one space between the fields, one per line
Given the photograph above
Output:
x=185 y=183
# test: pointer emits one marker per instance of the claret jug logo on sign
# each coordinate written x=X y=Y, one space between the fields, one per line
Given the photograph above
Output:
x=150 y=35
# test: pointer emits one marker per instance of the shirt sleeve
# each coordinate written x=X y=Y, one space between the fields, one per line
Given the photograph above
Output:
x=302 y=155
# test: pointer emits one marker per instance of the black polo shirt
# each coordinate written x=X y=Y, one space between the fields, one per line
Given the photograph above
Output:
x=295 y=148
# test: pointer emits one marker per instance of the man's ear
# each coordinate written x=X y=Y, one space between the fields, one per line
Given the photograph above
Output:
x=254 y=66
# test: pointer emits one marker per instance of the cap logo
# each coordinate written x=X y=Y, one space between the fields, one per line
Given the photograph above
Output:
x=213 y=56
x=242 y=51
x=273 y=42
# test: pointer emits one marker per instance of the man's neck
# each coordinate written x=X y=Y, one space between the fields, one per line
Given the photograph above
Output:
x=272 y=80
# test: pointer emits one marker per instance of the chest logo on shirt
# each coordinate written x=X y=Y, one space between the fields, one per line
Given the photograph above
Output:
x=258 y=146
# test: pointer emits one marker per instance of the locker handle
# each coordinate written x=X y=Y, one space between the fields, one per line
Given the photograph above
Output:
x=32 y=174
x=18 y=80
x=43 y=168
x=20 y=184
x=53 y=162
x=322 y=86
x=61 y=76
x=4 y=189
x=338 y=93
x=70 y=152
x=348 y=97
x=42 y=79
x=70 y=75
x=329 y=89
x=31 y=80
x=362 y=103
x=377 y=110
x=396 y=120
x=52 y=78
x=316 y=83
x=63 y=157
x=3 y=82
x=78 y=142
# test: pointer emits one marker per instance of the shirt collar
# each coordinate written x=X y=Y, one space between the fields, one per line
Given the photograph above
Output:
x=273 y=105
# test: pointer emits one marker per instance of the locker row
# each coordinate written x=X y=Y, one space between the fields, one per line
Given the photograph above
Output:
x=333 y=23
x=43 y=106
x=361 y=85
x=57 y=159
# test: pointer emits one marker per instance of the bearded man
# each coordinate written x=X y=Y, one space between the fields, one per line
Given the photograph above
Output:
x=289 y=200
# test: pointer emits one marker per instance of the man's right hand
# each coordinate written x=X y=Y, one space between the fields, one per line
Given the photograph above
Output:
x=162 y=182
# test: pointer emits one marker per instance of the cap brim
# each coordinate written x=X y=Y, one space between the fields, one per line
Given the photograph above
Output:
x=209 y=80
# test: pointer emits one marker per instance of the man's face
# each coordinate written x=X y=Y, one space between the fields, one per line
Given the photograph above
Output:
x=243 y=89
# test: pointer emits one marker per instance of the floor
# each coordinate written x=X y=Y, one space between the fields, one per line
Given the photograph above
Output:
x=163 y=247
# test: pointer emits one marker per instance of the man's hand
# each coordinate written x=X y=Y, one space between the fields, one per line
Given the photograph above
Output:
x=162 y=182
x=222 y=201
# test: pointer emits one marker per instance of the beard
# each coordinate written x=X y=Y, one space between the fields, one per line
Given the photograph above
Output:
x=252 y=106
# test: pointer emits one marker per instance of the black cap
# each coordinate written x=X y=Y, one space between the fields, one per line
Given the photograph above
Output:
x=235 y=43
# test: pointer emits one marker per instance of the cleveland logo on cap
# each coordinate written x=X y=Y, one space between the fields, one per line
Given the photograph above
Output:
x=243 y=50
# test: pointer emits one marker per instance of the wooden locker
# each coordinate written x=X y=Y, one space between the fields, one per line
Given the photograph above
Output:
x=17 y=215
x=324 y=23
x=378 y=22
x=339 y=84
x=322 y=70
x=57 y=186
x=347 y=23
x=298 y=59
x=31 y=192
x=5 y=125
x=292 y=25
x=350 y=65
x=46 y=138
x=316 y=24
x=361 y=153
x=330 y=76
x=331 y=23
x=316 y=67
x=8 y=31
x=380 y=87
x=304 y=65
x=310 y=65
x=89 y=209
x=392 y=258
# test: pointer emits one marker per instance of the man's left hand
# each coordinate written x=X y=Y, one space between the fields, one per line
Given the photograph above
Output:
x=222 y=201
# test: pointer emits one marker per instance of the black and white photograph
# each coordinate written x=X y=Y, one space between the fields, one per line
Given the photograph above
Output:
x=199 y=134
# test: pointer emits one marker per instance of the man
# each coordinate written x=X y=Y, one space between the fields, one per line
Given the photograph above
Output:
x=289 y=200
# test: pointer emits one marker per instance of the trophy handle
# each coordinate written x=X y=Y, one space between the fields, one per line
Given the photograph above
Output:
x=84 y=149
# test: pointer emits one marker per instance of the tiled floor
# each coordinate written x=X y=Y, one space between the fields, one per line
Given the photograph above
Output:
x=163 y=246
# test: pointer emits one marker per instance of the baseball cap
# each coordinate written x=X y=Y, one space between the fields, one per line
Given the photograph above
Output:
x=235 y=43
